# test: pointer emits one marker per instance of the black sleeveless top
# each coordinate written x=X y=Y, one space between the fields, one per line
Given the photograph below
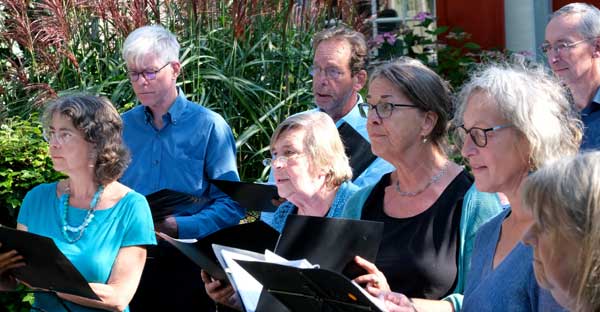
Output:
x=419 y=255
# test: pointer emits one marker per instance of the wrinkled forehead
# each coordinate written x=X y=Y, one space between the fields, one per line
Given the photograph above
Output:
x=564 y=27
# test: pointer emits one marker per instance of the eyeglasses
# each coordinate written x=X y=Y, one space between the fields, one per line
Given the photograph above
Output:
x=148 y=74
x=558 y=47
x=478 y=135
x=330 y=72
x=60 y=137
x=283 y=160
x=383 y=110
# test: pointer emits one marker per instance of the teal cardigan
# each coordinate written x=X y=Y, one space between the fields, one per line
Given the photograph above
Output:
x=478 y=208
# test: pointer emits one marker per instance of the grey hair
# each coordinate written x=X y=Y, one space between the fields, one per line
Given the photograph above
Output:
x=564 y=199
x=358 y=44
x=322 y=143
x=534 y=102
x=424 y=88
x=150 y=40
x=589 y=26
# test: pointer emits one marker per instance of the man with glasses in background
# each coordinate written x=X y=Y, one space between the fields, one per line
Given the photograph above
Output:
x=572 y=47
x=177 y=145
x=339 y=73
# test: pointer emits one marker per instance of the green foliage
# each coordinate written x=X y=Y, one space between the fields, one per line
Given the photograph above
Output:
x=422 y=40
x=25 y=163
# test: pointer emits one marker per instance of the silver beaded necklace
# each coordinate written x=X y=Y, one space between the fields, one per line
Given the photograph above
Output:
x=434 y=179
x=77 y=231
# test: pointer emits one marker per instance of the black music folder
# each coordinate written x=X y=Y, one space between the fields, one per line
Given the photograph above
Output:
x=46 y=266
x=358 y=149
x=164 y=203
x=310 y=290
x=256 y=236
x=331 y=243
x=252 y=196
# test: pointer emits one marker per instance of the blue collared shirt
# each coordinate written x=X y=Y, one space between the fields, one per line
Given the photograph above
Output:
x=194 y=145
x=590 y=116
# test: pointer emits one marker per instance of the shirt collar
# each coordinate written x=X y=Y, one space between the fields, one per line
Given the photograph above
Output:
x=174 y=112
x=353 y=117
x=593 y=106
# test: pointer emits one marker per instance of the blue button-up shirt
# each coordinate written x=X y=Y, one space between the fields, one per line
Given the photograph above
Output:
x=194 y=145
x=590 y=116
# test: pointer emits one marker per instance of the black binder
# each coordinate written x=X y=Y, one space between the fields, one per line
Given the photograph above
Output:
x=357 y=149
x=46 y=266
x=330 y=242
x=256 y=236
x=164 y=203
x=309 y=290
x=252 y=196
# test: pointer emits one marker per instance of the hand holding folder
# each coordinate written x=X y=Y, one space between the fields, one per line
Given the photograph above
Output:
x=46 y=266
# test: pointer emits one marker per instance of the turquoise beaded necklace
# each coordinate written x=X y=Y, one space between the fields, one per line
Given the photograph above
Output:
x=77 y=230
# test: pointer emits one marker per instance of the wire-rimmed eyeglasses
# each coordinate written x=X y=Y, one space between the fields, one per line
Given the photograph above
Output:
x=558 y=47
x=283 y=160
x=148 y=74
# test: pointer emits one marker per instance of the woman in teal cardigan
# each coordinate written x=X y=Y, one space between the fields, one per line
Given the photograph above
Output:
x=429 y=207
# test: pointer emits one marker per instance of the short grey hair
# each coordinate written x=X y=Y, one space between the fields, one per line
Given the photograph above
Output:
x=534 y=102
x=564 y=199
x=323 y=144
x=589 y=26
x=358 y=44
x=150 y=40
x=424 y=88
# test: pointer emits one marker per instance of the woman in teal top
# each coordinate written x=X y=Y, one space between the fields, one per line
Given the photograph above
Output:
x=99 y=224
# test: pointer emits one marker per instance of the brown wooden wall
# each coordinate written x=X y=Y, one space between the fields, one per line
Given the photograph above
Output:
x=557 y=4
x=483 y=19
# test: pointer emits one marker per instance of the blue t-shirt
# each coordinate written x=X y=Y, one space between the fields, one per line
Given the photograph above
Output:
x=511 y=286
x=342 y=195
x=127 y=223
x=194 y=145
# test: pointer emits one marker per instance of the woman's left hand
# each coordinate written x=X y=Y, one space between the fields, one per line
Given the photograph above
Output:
x=375 y=282
x=396 y=302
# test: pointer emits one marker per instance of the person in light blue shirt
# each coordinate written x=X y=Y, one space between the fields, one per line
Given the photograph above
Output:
x=178 y=145
x=99 y=224
x=572 y=46
x=339 y=73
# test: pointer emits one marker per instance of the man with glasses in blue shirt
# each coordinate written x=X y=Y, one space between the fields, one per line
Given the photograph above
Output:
x=177 y=145
x=339 y=73
x=572 y=47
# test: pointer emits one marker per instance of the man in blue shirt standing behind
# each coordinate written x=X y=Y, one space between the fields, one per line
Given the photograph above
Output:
x=572 y=45
x=178 y=145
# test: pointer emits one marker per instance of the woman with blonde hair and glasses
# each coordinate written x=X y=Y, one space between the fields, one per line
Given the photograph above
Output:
x=312 y=173
x=564 y=199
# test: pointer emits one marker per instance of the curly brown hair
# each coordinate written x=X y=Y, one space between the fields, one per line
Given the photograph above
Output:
x=101 y=125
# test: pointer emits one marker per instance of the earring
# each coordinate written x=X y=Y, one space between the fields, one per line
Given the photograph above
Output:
x=424 y=139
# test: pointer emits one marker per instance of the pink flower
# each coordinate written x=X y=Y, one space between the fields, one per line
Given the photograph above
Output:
x=421 y=16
